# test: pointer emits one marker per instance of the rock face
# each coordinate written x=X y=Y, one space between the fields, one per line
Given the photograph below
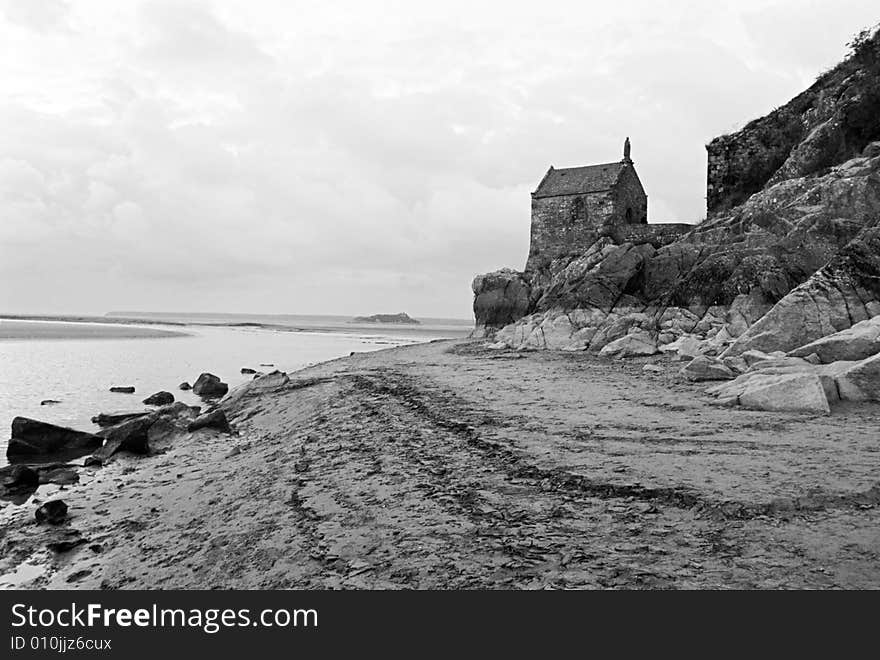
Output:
x=32 y=437
x=789 y=254
x=159 y=399
x=209 y=385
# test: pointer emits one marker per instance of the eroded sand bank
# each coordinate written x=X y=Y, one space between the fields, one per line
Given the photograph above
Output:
x=447 y=465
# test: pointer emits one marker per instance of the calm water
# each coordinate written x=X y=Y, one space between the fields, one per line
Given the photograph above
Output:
x=79 y=372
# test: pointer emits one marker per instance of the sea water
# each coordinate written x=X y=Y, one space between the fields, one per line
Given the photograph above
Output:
x=80 y=372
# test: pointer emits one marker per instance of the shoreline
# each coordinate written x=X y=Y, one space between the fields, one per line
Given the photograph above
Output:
x=441 y=465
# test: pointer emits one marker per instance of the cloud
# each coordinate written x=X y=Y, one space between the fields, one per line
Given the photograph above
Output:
x=38 y=15
x=344 y=157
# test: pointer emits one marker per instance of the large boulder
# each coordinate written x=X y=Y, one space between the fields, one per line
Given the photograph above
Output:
x=32 y=437
x=783 y=392
x=858 y=381
x=209 y=385
x=703 y=368
x=500 y=298
x=635 y=344
x=858 y=342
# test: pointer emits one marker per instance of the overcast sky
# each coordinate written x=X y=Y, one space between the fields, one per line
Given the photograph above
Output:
x=353 y=157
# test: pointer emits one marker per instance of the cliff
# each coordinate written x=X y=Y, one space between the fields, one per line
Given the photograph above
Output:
x=783 y=212
x=829 y=123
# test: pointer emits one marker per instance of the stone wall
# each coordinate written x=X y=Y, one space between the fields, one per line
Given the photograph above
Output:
x=564 y=224
x=569 y=224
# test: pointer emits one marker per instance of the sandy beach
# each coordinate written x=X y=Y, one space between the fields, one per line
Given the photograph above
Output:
x=449 y=465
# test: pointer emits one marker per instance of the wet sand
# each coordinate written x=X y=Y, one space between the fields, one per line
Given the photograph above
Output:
x=448 y=465
x=20 y=329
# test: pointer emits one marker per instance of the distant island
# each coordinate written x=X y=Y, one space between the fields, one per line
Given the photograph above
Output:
x=386 y=318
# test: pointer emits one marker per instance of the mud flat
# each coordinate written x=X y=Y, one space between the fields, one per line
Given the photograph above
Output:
x=448 y=465
x=12 y=329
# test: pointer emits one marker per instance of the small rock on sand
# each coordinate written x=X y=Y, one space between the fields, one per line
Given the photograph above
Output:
x=184 y=386
x=159 y=399
x=127 y=389
x=53 y=512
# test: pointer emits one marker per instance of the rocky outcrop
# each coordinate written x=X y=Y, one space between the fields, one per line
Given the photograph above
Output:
x=32 y=437
x=500 y=298
x=844 y=292
x=209 y=385
x=796 y=258
x=829 y=123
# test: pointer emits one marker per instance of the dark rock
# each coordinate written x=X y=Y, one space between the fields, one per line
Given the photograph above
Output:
x=53 y=512
x=212 y=420
x=128 y=436
x=184 y=386
x=266 y=364
x=500 y=298
x=93 y=461
x=159 y=399
x=19 y=477
x=248 y=370
x=209 y=385
x=49 y=402
x=127 y=389
x=113 y=418
x=66 y=545
x=30 y=437
x=60 y=475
